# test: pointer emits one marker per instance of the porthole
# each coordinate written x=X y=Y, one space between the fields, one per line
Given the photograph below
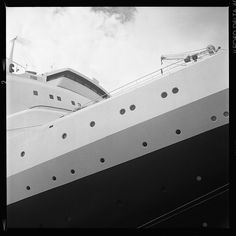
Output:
x=22 y=154
x=58 y=98
x=64 y=135
x=164 y=94
x=72 y=171
x=204 y=224
x=145 y=144
x=50 y=96
x=175 y=90
x=198 y=178
x=178 y=131
x=73 y=103
x=226 y=113
x=122 y=111
x=213 y=118
x=54 y=178
x=35 y=93
x=92 y=123
x=132 y=107
x=163 y=189
x=102 y=160
x=28 y=187
x=119 y=203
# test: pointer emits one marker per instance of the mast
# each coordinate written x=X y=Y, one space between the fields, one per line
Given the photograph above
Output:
x=12 y=49
x=11 y=65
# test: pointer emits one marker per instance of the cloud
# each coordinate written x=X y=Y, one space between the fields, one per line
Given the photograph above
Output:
x=113 y=17
x=59 y=10
x=115 y=46
x=122 y=14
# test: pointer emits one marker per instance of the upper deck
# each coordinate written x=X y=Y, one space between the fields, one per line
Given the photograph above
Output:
x=72 y=80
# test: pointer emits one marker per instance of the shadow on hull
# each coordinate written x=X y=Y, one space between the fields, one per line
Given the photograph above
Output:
x=141 y=191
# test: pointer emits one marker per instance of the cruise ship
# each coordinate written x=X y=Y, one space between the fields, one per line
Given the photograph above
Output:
x=150 y=154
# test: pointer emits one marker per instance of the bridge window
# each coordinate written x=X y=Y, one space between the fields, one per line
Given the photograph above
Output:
x=58 y=98
x=35 y=93
x=73 y=103
x=51 y=96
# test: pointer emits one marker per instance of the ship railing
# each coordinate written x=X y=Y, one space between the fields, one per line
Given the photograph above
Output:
x=131 y=85
x=154 y=75
x=161 y=72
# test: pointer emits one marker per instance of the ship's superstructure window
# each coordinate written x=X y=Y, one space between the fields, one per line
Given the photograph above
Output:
x=73 y=103
x=58 y=98
x=35 y=93
x=50 y=96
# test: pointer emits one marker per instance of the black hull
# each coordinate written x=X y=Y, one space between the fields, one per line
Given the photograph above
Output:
x=134 y=193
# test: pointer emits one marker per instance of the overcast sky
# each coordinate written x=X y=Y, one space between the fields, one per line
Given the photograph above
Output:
x=102 y=47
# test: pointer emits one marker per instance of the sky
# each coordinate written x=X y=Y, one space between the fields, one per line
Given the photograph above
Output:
x=101 y=46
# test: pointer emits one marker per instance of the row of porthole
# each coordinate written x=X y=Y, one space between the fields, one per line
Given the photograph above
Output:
x=174 y=91
x=178 y=131
x=225 y=114
x=64 y=135
x=58 y=98
x=198 y=178
x=54 y=178
x=122 y=111
x=131 y=107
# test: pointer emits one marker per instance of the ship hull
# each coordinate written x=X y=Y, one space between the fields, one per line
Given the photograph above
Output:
x=139 y=192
